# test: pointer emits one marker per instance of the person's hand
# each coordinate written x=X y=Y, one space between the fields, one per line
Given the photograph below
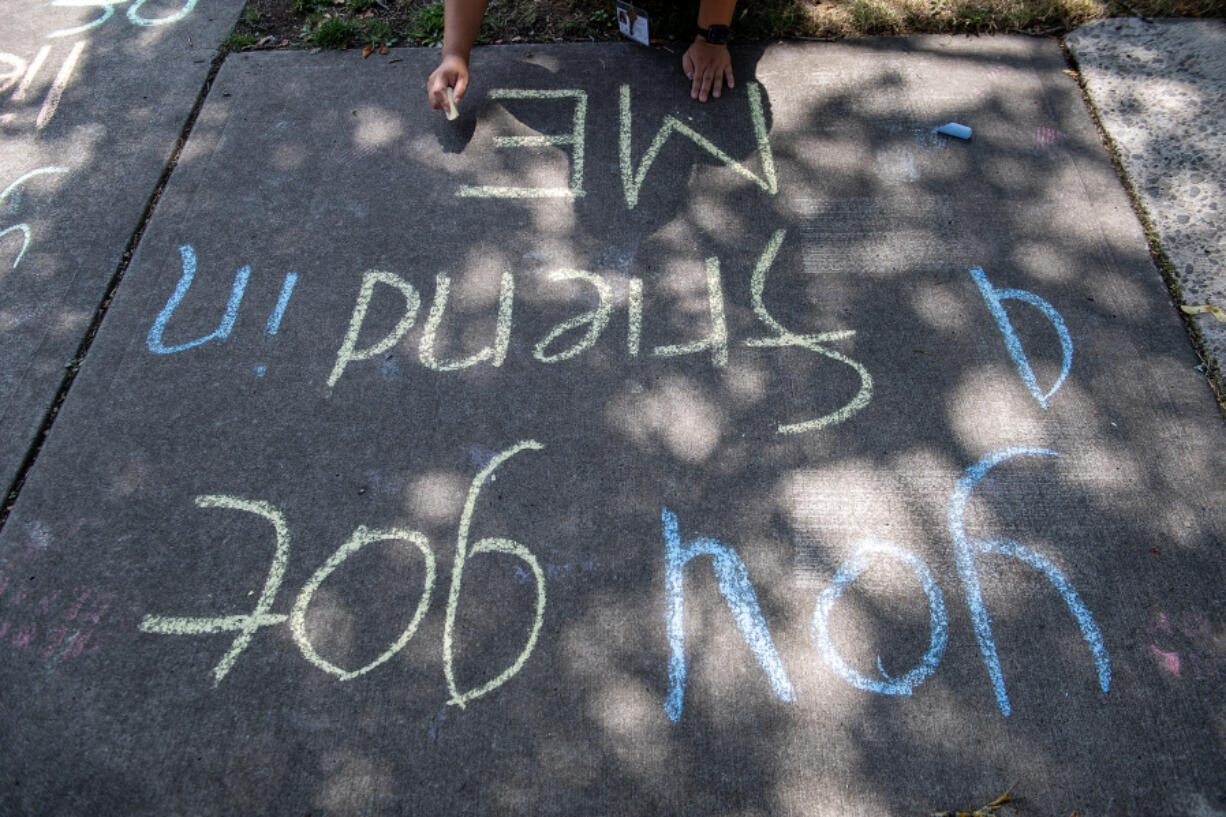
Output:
x=707 y=67
x=451 y=72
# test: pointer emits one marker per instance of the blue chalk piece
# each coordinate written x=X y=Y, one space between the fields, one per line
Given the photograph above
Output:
x=956 y=130
x=260 y=370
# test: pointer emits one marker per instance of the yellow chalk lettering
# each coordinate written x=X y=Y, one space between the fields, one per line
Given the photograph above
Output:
x=35 y=66
x=246 y=625
x=463 y=554
x=634 y=315
x=596 y=319
x=56 y=93
x=632 y=181
x=717 y=339
x=361 y=537
x=349 y=351
x=574 y=140
x=784 y=337
x=496 y=353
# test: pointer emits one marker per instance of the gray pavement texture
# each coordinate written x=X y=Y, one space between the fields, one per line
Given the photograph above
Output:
x=93 y=97
x=1160 y=90
x=603 y=452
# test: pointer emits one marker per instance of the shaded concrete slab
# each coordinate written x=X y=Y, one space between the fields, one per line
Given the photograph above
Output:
x=1159 y=88
x=605 y=452
x=93 y=97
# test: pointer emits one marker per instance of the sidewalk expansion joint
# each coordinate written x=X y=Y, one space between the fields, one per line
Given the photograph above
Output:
x=74 y=364
x=1214 y=375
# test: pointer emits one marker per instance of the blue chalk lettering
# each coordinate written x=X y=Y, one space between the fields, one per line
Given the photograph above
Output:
x=938 y=621
x=994 y=296
x=287 y=289
x=25 y=231
x=738 y=593
x=154 y=340
x=135 y=16
x=965 y=551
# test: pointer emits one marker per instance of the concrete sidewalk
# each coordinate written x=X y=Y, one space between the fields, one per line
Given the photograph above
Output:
x=1159 y=88
x=93 y=97
x=389 y=482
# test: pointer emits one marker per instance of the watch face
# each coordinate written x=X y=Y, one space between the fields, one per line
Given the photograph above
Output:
x=716 y=35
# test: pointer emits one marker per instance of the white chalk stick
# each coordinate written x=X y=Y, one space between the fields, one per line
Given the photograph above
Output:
x=452 y=110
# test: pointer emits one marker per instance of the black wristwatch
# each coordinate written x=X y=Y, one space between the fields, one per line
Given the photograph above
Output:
x=715 y=35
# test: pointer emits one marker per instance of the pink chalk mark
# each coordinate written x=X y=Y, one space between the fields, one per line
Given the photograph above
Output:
x=46 y=601
x=78 y=644
x=1047 y=136
x=99 y=610
x=1195 y=625
x=1205 y=668
x=55 y=638
x=1169 y=661
x=82 y=597
x=25 y=635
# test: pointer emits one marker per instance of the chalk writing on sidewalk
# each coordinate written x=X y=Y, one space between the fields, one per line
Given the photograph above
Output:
x=247 y=625
x=383 y=284
x=738 y=592
x=966 y=551
x=742 y=601
x=10 y=199
x=22 y=74
x=135 y=14
x=994 y=297
x=632 y=178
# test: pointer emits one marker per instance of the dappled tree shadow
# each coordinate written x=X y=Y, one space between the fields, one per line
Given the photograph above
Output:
x=842 y=248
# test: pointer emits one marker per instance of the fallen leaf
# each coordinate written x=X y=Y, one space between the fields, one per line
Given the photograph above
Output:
x=384 y=50
x=367 y=51
x=1071 y=73
x=989 y=810
x=263 y=41
x=1210 y=308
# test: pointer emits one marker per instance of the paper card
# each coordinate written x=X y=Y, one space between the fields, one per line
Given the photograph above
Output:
x=633 y=22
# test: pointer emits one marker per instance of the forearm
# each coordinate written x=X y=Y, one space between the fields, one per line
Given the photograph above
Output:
x=715 y=13
x=462 y=21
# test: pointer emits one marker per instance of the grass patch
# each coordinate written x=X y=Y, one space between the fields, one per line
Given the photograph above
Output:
x=355 y=23
x=428 y=24
x=874 y=17
x=238 y=41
